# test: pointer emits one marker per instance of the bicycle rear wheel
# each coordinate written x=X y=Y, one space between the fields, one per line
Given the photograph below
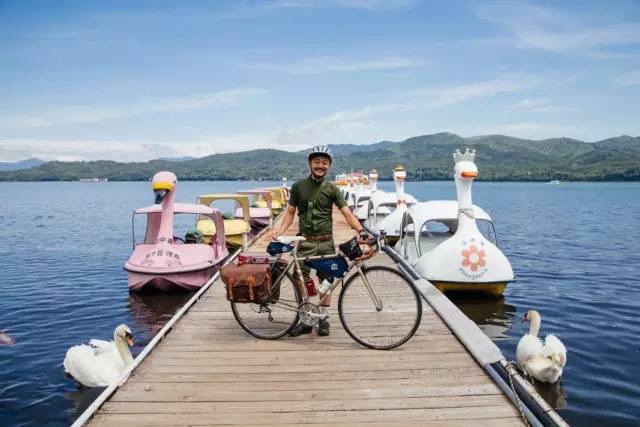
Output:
x=385 y=327
x=274 y=319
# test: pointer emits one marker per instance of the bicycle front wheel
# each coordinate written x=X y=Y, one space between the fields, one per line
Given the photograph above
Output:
x=274 y=319
x=383 y=315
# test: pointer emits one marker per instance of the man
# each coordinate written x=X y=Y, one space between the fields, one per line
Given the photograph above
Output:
x=313 y=198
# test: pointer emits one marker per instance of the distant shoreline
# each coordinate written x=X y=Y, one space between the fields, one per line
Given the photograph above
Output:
x=542 y=181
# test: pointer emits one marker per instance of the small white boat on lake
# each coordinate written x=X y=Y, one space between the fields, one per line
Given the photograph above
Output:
x=361 y=198
x=385 y=210
x=452 y=243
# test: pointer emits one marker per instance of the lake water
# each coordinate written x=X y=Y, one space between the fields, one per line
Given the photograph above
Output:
x=573 y=247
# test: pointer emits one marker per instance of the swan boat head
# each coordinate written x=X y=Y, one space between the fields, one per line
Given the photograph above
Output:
x=387 y=215
x=373 y=180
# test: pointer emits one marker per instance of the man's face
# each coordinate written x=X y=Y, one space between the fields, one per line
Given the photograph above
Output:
x=319 y=166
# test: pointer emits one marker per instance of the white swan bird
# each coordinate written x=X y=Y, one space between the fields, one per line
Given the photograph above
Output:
x=101 y=363
x=544 y=362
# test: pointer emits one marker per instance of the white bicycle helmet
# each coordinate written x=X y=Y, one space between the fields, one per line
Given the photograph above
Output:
x=321 y=150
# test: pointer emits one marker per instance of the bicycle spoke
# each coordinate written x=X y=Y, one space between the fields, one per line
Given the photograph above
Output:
x=382 y=311
x=271 y=320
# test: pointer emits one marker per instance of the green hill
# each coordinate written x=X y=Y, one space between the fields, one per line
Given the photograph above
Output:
x=425 y=157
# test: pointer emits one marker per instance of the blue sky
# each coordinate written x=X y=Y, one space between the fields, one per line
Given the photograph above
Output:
x=136 y=80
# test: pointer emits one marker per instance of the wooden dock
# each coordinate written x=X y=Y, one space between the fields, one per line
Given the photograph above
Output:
x=208 y=371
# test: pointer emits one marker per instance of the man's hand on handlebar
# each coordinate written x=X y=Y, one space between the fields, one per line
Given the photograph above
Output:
x=273 y=235
x=365 y=237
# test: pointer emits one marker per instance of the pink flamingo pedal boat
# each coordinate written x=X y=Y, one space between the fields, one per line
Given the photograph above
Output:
x=167 y=262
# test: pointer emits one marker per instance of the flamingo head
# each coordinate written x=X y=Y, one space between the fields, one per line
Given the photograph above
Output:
x=163 y=183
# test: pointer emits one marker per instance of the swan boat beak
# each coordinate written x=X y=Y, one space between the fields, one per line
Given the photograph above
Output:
x=160 y=195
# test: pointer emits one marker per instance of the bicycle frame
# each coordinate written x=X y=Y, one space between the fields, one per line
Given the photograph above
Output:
x=299 y=279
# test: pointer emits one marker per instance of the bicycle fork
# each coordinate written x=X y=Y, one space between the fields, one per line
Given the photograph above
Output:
x=377 y=302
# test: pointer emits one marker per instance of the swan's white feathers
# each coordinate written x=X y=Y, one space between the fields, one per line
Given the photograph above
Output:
x=91 y=369
x=101 y=363
x=542 y=362
x=101 y=346
x=556 y=350
x=528 y=347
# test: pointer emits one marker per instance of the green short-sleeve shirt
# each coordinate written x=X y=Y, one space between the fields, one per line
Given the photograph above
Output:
x=318 y=221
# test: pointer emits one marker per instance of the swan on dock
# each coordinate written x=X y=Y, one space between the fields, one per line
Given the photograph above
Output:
x=101 y=363
x=544 y=362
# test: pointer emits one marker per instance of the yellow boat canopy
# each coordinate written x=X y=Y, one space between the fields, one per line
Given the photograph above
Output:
x=241 y=199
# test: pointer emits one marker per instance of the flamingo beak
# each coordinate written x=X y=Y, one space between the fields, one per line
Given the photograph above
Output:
x=160 y=195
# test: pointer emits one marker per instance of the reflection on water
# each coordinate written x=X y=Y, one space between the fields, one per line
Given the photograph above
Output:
x=150 y=311
x=553 y=394
x=82 y=398
x=493 y=315
x=154 y=309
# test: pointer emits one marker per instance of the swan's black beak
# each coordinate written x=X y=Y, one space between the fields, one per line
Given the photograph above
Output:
x=524 y=318
x=129 y=338
x=160 y=195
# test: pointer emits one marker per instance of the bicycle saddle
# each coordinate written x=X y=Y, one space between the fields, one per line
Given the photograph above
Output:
x=277 y=248
x=287 y=240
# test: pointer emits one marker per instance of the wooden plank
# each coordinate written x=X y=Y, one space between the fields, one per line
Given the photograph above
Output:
x=302 y=418
x=428 y=375
x=302 y=406
x=209 y=371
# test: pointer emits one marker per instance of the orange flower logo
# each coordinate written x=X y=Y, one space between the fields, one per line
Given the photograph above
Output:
x=473 y=258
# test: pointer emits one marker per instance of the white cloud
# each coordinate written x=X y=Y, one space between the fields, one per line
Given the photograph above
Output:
x=351 y=4
x=344 y=125
x=628 y=79
x=72 y=150
x=538 y=27
x=457 y=93
x=65 y=115
x=327 y=64
x=528 y=130
x=539 y=105
x=13 y=149
x=339 y=125
x=357 y=125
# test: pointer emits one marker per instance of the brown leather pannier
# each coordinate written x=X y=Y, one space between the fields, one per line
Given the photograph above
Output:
x=247 y=282
x=277 y=268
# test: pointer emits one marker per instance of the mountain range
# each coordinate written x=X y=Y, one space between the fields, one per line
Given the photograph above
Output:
x=22 y=164
x=426 y=157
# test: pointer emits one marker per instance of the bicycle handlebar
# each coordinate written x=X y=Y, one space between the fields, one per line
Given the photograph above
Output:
x=372 y=249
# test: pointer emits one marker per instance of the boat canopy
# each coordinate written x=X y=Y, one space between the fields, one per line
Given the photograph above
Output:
x=441 y=210
x=188 y=208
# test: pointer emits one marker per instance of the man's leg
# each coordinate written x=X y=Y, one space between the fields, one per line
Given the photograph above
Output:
x=304 y=249
x=324 y=248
